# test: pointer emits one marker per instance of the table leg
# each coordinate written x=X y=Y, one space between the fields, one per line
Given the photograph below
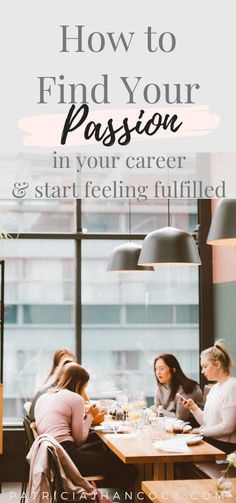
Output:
x=144 y=472
x=155 y=471
x=138 y=482
x=158 y=471
x=169 y=471
x=148 y=471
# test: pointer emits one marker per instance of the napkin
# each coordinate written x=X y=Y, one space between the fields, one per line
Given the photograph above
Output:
x=172 y=445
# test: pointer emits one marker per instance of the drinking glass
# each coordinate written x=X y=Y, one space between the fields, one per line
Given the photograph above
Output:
x=224 y=485
x=105 y=405
x=139 y=400
x=158 y=428
x=178 y=426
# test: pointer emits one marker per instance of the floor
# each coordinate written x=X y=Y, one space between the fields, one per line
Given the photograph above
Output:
x=10 y=493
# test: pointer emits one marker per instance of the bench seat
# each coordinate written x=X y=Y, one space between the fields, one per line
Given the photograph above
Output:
x=212 y=470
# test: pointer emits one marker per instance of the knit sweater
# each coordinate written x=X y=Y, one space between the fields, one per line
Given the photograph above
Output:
x=174 y=407
x=218 y=419
x=61 y=415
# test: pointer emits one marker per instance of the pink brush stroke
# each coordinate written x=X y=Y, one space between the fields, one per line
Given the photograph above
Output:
x=45 y=130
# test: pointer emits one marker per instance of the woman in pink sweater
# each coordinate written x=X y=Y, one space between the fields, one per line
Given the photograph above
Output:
x=60 y=413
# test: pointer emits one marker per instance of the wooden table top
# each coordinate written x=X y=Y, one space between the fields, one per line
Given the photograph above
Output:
x=185 y=491
x=140 y=450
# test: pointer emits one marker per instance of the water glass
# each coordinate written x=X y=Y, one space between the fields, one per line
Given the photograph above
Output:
x=158 y=429
x=147 y=431
x=139 y=400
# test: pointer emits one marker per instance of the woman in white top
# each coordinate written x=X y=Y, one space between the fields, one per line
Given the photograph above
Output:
x=218 y=419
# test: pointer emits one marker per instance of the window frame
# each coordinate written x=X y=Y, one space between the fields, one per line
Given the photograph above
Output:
x=205 y=270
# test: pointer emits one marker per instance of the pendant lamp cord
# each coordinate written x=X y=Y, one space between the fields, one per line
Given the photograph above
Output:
x=168 y=212
x=129 y=219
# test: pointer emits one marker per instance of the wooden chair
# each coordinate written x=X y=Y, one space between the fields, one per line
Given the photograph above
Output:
x=27 y=406
x=57 y=483
x=31 y=434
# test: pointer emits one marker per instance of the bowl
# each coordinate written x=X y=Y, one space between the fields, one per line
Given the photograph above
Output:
x=194 y=439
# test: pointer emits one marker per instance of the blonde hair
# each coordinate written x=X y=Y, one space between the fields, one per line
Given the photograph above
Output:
x=73 y=377
x=219 y=353
x=53 y=379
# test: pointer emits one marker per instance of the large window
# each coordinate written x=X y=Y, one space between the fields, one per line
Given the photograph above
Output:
x=59 y=294
x=39 y=313
x=127 y=319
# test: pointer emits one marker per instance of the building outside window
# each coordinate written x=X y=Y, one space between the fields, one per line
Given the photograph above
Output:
x=125 y=319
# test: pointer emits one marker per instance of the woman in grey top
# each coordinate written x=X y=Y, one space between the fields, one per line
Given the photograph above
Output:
x=170 y=381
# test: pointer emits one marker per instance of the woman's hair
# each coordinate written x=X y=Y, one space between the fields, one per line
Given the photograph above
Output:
x=73 y=377
x=219 y=353
x=60 y=354
x=53 y=378
x=178 y=378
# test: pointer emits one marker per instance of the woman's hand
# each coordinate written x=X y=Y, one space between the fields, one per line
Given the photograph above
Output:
x=93 y=410
x=154 y=408
x=188 y=403
x=196 y=431
x=98 y=419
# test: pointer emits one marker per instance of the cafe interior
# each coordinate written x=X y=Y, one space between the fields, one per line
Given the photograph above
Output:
x=117 y=282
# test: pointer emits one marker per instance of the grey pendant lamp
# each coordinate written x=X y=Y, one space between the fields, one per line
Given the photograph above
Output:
x=223 y=226
x=169 y=246
x=124 y=258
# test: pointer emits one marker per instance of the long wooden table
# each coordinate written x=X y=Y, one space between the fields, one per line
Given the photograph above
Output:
x=154 y=463
x=185 y=491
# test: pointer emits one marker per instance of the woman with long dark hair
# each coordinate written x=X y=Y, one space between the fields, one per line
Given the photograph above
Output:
x=171 y=380
x=60 y=413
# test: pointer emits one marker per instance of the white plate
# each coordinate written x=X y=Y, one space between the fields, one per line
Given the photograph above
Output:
x=194 y=440
x=111 y=428
x=103 y=429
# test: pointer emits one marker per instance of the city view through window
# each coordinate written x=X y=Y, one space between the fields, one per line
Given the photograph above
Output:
x=126 y=319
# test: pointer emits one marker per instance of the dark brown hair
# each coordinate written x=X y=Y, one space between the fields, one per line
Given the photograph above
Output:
x=178 y=378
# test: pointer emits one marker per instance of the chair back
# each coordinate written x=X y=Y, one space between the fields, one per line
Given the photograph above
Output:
x=27 y=406
x=57 y=489
x=29 y=431
x=30 y=437
x=206 y=389
x=56 y=482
